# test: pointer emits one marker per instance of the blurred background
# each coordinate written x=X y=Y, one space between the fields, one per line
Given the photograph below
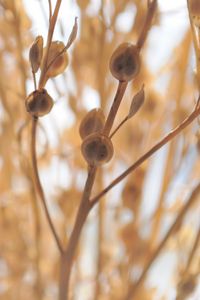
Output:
x=122 y=232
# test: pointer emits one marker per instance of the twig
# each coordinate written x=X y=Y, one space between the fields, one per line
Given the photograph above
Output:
x=38 y=185
x=50 y=11
x=115 y=106
x=134 y=288
x=118 y=127
x=68 y=255
x=192 y=253
x=52 y=24
x=144 y=157
x=151 y=8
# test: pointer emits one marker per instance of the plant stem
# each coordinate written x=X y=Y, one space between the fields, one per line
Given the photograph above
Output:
x=134 y=288
x=52 y=24
x=144 y=157
x=150 y=14
x=68 y=255
x=118 y=127
x=38 y=185
x=192 y=253
x=115 y=106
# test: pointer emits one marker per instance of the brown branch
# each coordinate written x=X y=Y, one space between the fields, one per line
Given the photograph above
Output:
x=115 y=106
x=135 y=287
x=52 y=24
x=155 y=148
x=68 y=255
x=192 y=253
x=38 y=185
x=151 y=8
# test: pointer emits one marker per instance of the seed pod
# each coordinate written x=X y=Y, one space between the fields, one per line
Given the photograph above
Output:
x=125 y=62
x=92 y=122
x=35 y=53
x=39 y=103
x=97 y=149
x=194 y=6
x=57 y=59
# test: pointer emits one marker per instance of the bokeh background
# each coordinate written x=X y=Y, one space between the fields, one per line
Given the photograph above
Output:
x=122 y=232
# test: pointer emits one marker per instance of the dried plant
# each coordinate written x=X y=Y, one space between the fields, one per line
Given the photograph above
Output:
x=132 y=189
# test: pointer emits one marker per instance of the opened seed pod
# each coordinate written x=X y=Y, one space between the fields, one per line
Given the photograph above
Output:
x=57 y=60
x=97 y=149
x=35 y=53
x=194 y=6
x=39 y=103
x=125 y=62
x=92 y=122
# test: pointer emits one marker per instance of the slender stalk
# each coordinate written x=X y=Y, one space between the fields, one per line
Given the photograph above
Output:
x=68 y=255
x=52 y=24
x=135 y=287
x=150 y=14
x=192 y=253
x=38 y=185
x=115 y=106
x=149 y=153
x=118 y=127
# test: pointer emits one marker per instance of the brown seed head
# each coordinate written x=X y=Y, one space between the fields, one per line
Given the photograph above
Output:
x=97 y=149
x=39 y=103
x=125 y=62
x=92 y=122
x=56 y=63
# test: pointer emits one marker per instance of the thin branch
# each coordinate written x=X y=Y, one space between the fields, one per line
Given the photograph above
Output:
x=115 y=106
x=38 y=185
x=149 y=153
x=151 y=8
x=118 y=127
x=68 y=255
x=50 y=11
x=134 y=288
x=192 y=253
x=52 y=24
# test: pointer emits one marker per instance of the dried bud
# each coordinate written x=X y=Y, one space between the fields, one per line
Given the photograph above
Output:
x=39 y=103
x=97 y=149
x=35 y=53
x=57 y=59
x=137 y=102
x=125 y=62
x=194 y=6
x=92 y=122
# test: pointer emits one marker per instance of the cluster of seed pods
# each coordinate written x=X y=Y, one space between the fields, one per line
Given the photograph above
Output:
x=97 y=148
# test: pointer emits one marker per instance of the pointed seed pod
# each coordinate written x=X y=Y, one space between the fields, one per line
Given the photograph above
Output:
x=125 y=62
x=97 y=149
x=35 y=53
x=194 y=6
x=92 y=122
x=39 y=103
x=57 y=59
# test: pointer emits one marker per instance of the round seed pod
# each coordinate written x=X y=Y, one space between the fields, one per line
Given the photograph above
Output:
x=97 y=149
x=56 y=63
x=125 y=62
x=39 y=103
x=194 y=6
x=92 y=122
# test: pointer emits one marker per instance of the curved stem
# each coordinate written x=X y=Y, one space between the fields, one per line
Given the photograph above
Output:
x=149 y=153
x=38 y=185
x=135 y=287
